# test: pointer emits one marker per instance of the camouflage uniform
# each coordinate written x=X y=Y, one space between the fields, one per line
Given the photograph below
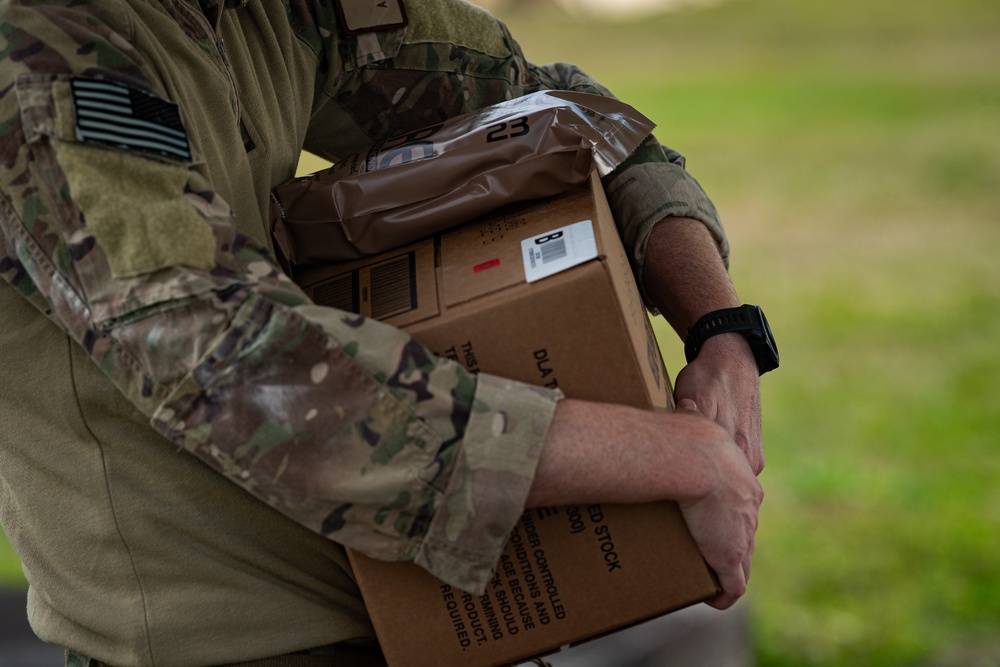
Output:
x=146 y=322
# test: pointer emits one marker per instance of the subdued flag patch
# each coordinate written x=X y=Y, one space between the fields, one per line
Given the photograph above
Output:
x=118 y=115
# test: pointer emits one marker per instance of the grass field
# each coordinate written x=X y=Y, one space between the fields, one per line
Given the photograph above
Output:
x=854 y=151
x=853 y=148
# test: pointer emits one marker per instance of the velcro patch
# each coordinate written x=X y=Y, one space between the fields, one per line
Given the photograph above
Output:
x=359 y=16
x=118 y=115
x=136 y=209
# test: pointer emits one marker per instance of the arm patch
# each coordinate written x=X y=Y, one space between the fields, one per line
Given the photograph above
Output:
x=136 y=209
x=117 y=115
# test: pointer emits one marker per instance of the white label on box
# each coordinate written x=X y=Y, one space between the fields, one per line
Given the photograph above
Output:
x=549 y=253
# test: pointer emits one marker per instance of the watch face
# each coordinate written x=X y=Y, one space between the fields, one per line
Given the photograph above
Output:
x=771 y=348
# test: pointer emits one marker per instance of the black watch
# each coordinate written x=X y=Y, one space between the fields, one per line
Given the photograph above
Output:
x=746 y=320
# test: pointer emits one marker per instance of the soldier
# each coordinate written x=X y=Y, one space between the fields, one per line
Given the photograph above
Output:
x=187 y=443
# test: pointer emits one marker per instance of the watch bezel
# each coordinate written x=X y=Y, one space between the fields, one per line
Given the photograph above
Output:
x=767 y=358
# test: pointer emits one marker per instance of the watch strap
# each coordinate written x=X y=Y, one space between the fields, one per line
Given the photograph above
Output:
x=726 y=320
x=746 y=320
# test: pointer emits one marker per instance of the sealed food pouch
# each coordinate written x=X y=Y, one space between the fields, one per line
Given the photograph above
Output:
x=408 y=187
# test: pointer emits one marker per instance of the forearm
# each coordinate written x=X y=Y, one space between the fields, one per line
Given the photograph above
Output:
x=684 y=274
x=596 y=452
x=685 y=277
x=608 y=453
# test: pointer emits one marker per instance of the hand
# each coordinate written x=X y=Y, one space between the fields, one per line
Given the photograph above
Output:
x=598 y=452
x=722 y=383
x=685 y=278
x=723 y=523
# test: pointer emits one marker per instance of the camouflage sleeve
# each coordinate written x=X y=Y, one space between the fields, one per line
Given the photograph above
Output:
x=344 y=424
x=453 y=58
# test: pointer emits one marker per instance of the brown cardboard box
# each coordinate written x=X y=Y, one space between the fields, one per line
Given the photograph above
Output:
x=567 y=574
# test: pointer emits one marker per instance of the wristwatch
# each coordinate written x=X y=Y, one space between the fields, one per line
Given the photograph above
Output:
x=746 y=320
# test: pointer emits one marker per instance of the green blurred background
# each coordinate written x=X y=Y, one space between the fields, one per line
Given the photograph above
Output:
x=853 y=149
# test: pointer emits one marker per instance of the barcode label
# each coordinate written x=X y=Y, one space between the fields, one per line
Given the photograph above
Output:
x=553 y=251
x=560 y=249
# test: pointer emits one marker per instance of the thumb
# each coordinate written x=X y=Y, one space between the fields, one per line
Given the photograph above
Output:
x=687 y=404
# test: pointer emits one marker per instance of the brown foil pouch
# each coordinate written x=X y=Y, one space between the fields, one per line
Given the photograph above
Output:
x=406 y=188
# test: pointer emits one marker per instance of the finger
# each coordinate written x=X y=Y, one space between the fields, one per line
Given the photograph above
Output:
x=687 y=404
x=734 y=585
x=752 y=449
x=720 y=602
x=748 y=562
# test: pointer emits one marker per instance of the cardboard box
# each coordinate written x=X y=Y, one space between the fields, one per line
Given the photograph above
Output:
x=542 y=293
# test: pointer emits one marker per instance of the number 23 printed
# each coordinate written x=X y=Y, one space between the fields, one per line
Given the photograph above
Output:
x=516 y=128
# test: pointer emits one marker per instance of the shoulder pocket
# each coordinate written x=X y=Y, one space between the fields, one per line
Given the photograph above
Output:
x=115 y=164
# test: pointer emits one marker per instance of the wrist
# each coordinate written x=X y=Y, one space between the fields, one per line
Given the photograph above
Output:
x=729 y=349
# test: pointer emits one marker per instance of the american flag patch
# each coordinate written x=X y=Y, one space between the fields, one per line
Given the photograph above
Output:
x=118 y=115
